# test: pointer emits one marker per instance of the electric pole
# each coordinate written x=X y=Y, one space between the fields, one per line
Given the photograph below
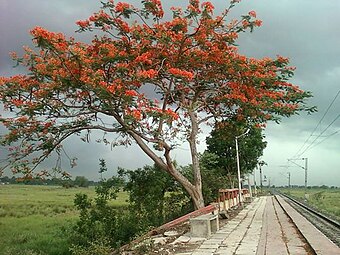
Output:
x=305 y=168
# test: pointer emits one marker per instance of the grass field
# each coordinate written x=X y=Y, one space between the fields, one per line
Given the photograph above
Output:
x=34 y=219
x=326 y=200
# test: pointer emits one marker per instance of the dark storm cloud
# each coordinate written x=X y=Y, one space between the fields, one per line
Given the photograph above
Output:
x=306 y=31
x=18 y=17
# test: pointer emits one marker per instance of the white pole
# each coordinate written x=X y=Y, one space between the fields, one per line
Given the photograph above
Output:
x=238 y=171
x=238 y=167
x=249 y=185
x=255 y=189
x=306 y=159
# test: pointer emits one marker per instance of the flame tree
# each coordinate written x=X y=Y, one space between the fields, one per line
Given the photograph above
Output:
x=151 y=80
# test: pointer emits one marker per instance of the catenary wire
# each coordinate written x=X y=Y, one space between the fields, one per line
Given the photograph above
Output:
x=309 y=146
x=316 y=127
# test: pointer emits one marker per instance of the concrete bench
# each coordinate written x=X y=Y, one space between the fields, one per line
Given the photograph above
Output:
x=204 y=225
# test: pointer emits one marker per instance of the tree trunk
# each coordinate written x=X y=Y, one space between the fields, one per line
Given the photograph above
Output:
x=197 y=198
x=194 y=190
x=192 y=139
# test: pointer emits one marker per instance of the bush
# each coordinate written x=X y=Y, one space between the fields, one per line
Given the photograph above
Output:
x=154 y=198
x=98 y=220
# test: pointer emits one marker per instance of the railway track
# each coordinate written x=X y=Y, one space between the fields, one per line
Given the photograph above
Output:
x=326 y=225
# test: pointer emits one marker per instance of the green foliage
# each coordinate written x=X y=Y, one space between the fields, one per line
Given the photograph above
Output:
x=154 y=198
x=213 y=177
x=152 y=192
x=97 y=247
x=221 y=142
x=99 y=221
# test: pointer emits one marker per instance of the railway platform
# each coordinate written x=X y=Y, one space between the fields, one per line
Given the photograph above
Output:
x=268 y=225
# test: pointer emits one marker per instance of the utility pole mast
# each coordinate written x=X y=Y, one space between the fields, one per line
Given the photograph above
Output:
x=305 y=168
x=306 y=164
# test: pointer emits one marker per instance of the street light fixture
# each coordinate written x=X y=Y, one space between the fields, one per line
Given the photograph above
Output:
x=238 y=164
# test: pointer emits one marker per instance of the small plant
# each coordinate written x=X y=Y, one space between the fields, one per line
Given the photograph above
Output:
x=97 y=247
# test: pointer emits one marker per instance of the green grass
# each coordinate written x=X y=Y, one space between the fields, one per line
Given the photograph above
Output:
x=326 y=200
x=35 y=219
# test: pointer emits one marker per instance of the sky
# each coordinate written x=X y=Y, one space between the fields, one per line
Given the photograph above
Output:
x=306 y=31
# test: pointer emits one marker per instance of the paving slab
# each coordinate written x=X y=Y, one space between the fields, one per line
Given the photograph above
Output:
x=238 y=234
x=261 y=228
x=275 y=243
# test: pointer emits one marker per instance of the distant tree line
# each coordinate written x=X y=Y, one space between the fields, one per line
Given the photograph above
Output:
x=79 y=181
x=308 y=187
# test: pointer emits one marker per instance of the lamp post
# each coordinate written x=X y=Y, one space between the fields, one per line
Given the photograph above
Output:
x=238 y=164
x=261 y=163
x=249 y=187
x=255 y=189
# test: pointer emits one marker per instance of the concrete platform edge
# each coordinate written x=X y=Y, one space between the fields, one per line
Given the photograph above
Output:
x=315 y=238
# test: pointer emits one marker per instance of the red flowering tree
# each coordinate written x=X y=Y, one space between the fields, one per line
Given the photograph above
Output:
x=151 y=80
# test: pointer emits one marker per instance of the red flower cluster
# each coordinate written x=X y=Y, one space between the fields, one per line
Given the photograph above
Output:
x=121 y=7
x=181 y=73
x=147 y=74
x=83 y=23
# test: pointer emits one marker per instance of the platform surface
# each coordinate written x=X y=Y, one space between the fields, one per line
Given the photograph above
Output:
x=263 y=227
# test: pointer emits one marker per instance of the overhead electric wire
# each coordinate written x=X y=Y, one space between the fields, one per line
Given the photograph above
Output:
x=297 y=154
x=335 y=119
x=325 y=138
